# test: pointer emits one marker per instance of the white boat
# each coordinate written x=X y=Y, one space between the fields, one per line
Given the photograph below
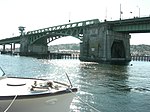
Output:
x=19 y=94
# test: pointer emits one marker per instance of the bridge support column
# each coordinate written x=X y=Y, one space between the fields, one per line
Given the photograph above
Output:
x=14 y=46
x=24 y=43
x=38 y=48
x=118 y=46
x=102 y=44
x=33 y=49
x=11 y=47
x=4 y=47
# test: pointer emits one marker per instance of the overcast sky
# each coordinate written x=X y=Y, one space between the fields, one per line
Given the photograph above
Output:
x=36 y=14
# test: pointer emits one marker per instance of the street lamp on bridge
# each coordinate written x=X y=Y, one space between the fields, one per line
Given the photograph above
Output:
x=139 y=10
x=120 y=12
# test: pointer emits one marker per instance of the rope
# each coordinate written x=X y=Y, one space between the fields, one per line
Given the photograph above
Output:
x=85 y=102
x=11 y=103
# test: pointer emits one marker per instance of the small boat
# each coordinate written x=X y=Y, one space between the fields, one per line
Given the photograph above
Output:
x=19 y=94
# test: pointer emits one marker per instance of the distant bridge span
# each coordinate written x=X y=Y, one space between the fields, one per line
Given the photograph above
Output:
x=135 y=25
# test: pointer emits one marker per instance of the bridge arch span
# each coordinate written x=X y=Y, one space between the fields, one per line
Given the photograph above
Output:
x=54 y=36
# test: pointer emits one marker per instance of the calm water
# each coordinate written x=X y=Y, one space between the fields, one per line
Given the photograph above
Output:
x=109 y=88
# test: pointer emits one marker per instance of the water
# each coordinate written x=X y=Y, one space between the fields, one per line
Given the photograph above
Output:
x=108 y=88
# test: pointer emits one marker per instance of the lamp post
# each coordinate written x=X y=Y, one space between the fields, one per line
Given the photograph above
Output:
x=69 y=17
x=139 y=10
x=120 y=12
x=131 y=14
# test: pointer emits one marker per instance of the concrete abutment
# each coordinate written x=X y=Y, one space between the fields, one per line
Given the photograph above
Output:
x=100 y=43
x=30 y=49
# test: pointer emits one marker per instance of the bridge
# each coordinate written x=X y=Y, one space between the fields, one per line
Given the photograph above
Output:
x=101 y=41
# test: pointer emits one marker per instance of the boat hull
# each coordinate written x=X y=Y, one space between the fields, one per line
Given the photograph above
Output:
x=48 y=103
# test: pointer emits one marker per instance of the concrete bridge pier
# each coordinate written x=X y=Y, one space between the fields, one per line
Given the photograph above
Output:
x=3 y=47
x=11 y=47
x=100 y=43
x=27 y=48
x=14 y=46
x=117 y=46
x=39 y=47
x=8 y=50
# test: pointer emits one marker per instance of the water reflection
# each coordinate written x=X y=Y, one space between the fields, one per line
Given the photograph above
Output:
x=97 y=80
x=112 y=76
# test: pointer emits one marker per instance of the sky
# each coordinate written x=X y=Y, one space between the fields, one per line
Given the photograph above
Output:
x=37 y=14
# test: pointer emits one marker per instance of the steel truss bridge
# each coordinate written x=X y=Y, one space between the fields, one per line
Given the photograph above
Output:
x=101 y=41
x=53 y=33
x=135 y=25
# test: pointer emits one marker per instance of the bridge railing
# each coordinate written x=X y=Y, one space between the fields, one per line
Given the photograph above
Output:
x=65 y=26
x=140 y=58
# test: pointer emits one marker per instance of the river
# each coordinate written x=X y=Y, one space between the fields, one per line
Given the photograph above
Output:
x=105 y=87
